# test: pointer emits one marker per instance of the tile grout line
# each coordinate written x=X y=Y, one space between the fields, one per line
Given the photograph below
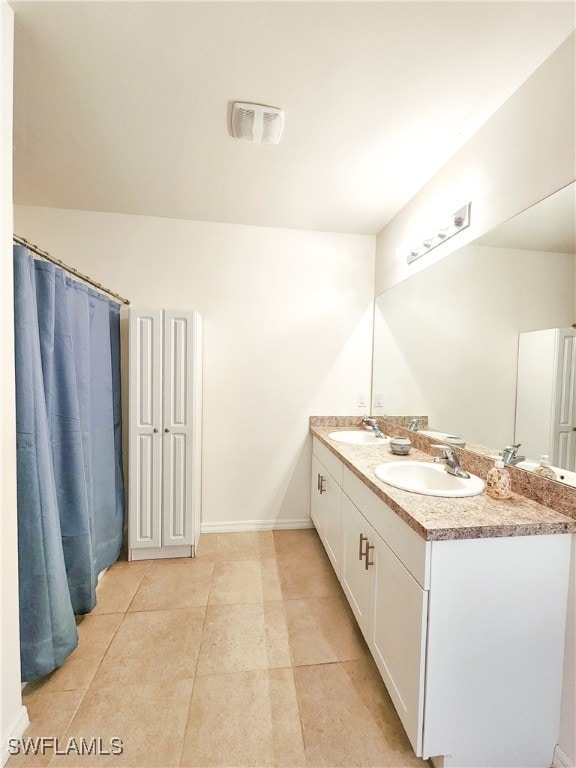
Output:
x=139 y=585
x=292 y=667
x=194 y=677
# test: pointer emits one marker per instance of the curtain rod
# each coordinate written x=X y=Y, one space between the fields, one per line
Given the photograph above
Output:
x=71 y=270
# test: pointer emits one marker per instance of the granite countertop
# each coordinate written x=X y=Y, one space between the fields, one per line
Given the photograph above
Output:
x=437 y=518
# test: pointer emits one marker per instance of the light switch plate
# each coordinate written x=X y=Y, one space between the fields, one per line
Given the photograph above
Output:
x=362 y=401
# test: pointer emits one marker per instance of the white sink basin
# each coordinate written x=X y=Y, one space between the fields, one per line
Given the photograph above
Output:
x=428 y=478
x=443 y=437
x=531 y=466
x=358 y=437
x=563 y=475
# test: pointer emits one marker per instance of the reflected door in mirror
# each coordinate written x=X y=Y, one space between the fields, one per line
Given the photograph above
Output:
x=545 y=418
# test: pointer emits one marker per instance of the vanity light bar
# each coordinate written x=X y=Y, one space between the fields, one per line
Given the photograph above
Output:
x=459 y=221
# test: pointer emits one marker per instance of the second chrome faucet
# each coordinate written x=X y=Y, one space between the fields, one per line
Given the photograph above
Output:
x=510 y=454
x=450 y=459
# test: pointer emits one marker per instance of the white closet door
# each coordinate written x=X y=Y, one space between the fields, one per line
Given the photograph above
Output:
x=177 y=519
x=145 y=458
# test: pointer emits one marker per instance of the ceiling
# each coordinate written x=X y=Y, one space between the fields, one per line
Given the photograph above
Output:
x=124 y=106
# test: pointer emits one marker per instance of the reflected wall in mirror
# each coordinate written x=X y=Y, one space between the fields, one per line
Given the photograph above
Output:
x=446 y=339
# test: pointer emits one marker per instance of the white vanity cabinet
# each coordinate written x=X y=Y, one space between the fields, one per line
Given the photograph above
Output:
x=467 y=633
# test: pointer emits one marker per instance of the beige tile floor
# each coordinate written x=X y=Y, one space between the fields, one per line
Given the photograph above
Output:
x=247 y=655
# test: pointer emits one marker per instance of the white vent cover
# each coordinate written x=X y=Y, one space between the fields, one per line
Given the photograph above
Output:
x=257 y=123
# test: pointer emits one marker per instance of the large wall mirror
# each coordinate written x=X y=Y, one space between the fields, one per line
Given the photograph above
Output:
x=446 y=340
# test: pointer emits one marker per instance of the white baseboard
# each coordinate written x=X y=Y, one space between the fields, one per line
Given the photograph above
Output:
x=256 y=525
x=157 y=553
x=561 y=759
x=18 y=728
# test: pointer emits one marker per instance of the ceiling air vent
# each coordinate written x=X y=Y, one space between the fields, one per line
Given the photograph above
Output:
x=257 y=123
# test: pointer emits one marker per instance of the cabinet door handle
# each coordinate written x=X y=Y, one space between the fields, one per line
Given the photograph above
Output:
x=318 y=482
x=321 y=485
x=368 y=562
x=166 y=429
x=155 y=429
x=361 y=546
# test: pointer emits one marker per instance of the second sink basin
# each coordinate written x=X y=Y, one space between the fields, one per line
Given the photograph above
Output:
x=428 y=478
x=358 y=437
x=444 y=437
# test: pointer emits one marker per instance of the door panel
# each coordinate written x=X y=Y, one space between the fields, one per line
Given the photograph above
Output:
x=355 y=579
x=177 y=424
x=175 y=523
x=316 y=501
x=397 y=636
x=145 y=413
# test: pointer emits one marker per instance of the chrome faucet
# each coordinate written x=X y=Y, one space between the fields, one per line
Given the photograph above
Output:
x=450 y=459
x=372 y=424
x=510 y=454
x=414 y=425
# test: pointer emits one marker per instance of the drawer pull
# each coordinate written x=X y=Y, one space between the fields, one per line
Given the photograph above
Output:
x=321 y=481
x=368 y=562
x=361 y=546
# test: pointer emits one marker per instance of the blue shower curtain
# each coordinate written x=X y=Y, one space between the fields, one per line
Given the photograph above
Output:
x=70 y=488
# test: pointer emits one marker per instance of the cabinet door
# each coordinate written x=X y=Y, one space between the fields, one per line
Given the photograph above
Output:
x=316 y=501
x=177 y=506
x=397 y=635
x=326 y=503
x=332 y=496
x=145 y=422
x=355 y=579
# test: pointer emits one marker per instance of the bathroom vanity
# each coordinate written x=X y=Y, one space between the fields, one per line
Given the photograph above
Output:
x=462 y=602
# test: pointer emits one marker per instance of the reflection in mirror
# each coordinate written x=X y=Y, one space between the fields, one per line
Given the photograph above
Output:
x=446 y=340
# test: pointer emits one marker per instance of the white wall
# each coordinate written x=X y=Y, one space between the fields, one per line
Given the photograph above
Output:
x=525 y=152
x=287 y=333
x=13 y=716
x=446 y=341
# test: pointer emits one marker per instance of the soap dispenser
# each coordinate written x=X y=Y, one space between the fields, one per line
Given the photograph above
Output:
x=545 y=470
x=498 y=481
